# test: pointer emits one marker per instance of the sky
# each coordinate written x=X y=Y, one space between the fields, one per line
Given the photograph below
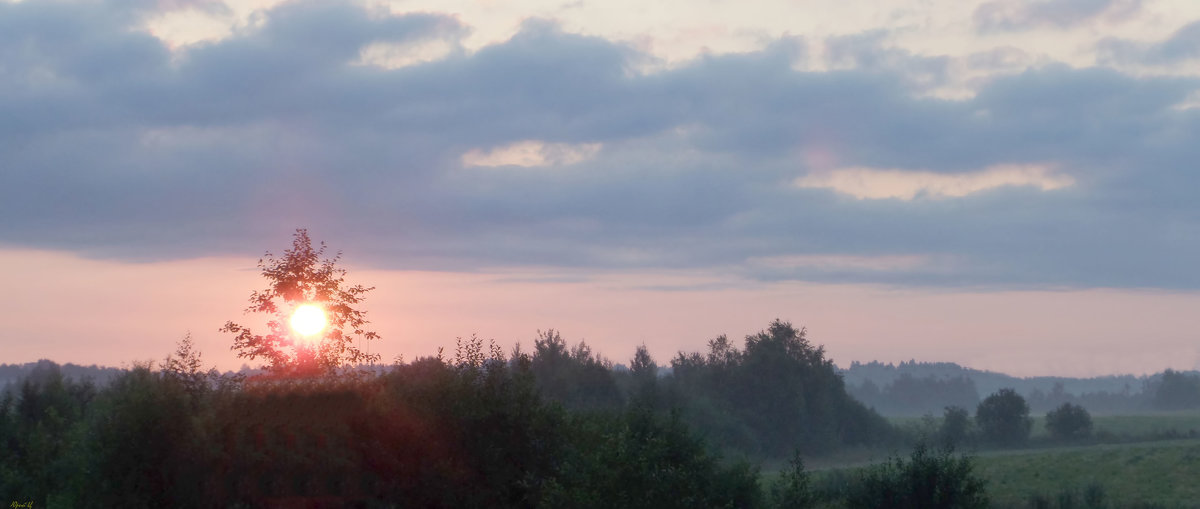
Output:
x=1005 y=184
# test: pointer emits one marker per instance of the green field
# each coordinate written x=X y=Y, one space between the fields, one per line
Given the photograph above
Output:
x=1163 y=473
x=1131 y=458
x=1142 y=425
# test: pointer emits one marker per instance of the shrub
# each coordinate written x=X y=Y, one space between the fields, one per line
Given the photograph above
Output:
x=793 y=489
x=928 y=480
x=1069 y=422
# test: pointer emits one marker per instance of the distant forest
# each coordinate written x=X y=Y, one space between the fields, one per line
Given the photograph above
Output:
x=916 y=388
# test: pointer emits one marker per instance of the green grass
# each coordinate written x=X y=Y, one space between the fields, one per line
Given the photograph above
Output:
x=1132 y=457
x=1165 y=472
x=1148 y=424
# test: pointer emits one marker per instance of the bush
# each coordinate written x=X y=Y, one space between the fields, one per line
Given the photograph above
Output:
x=793 y=489
x=928 y=480
x=1069 y=422
x=639 y=459
x=1003 y=418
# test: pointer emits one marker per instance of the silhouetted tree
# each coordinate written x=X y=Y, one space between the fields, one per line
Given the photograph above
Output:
x=575 y=377
x=299 y=277
x=779 y=394
x=1003 y=418
x=1069 y=422
x=644 y=372
x=187 y=368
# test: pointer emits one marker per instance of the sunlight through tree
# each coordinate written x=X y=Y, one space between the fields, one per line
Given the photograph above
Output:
x=302 y=282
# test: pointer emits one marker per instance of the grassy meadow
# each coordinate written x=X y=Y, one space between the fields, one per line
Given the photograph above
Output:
x=1160 y=474
x=1145 y=460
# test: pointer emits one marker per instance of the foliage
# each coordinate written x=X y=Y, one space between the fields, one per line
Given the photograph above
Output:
x=637 y=459
x=417 y=434
x=955 y=427
x=300 y=276
x=1003 y=418
x=1069 y=422
x=186 y=368
x=927 y=480
x=1176 y=391
x=793 y=489
x=643 y=372
x=142 y=443
x=779 y=394
x=575 y=377
x=37 y=432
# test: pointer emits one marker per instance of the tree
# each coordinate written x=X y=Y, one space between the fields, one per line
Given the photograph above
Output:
x=186 y=366
x=644 y=371
x=300 y=277
x=1003 y=418
x=777 y=394
x=1069 y=422
x=956 y=424
x=1177 y=391
x=575 y=377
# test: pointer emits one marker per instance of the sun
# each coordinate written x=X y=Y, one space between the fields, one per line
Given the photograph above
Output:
x=308 y=319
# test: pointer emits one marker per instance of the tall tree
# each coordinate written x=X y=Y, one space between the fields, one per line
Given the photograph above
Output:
x=1003 y=418
x=302 y=276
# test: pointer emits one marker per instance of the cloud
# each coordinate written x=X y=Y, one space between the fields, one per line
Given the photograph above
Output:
x=116 y=146
x=530 y=153
x=873 y=183
x=1002 y=58
x=1182 y=45
x=869 y=51
x=1015 y=15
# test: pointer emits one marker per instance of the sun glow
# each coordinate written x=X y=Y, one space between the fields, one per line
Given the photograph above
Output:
x=308 y=319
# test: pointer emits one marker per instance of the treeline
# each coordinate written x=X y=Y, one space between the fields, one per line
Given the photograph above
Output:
x=555 y=427
x=910 y=395
x=916 y=388
x=14 y=373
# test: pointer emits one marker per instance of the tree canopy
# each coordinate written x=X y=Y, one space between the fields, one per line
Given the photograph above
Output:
x=1003 y=418
x=303 y=276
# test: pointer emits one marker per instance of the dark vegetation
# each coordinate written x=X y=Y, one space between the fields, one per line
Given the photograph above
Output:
x=1069 y=422
x=477 y=430
x=1003 y=419
x=555 y=427
x=558 y=426
x=779 y=393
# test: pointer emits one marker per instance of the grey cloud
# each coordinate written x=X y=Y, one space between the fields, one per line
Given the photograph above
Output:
x=229 y=146
x=868 y=52
x=1015 y=15
x=1002 y=59
x=1182 y=45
